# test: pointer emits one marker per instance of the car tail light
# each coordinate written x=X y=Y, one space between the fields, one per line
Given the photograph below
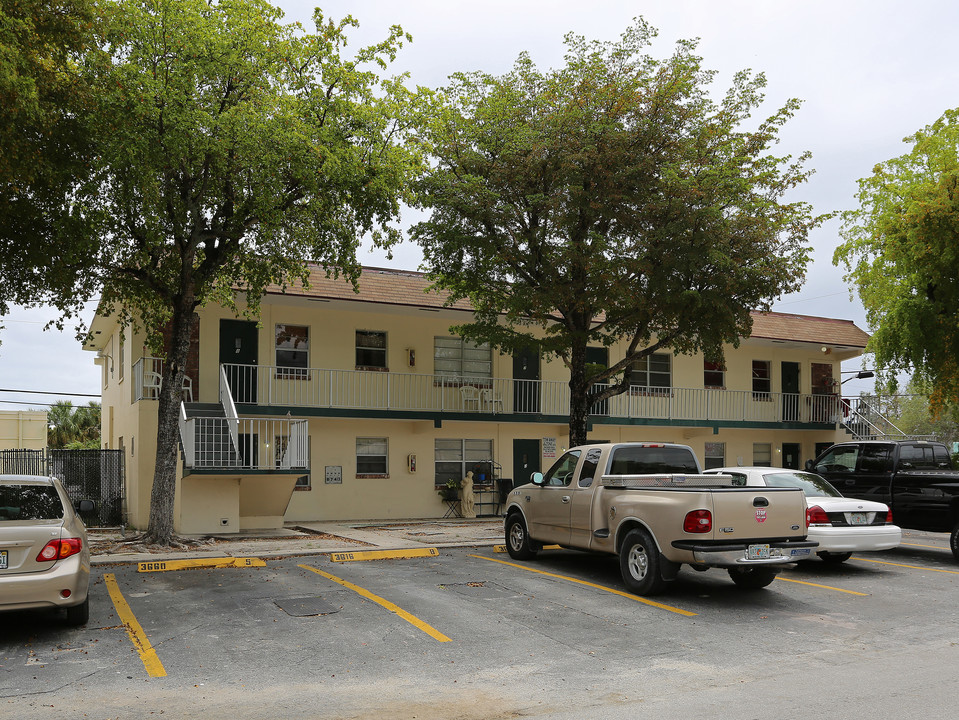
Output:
x=698 y=521
x=59 y=549
x=888 y=517
x=817 y=516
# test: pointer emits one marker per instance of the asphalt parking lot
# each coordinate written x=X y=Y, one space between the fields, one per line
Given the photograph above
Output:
x=468 y=633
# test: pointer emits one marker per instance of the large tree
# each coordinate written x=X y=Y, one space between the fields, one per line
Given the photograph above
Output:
x=231 y=150
x=611 y=199
x=902 y=252
x=44 y=147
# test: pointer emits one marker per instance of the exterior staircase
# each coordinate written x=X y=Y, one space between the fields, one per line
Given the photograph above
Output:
x=864 y=421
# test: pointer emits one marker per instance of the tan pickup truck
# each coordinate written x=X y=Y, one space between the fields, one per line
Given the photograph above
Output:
x=650 y=504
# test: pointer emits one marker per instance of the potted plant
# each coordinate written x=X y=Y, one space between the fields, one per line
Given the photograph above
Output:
x=449 y=491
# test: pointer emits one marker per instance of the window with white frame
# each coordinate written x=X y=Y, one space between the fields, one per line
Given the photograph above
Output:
x=370 y=350
x=715 y=455
x=762 y=454
x=762 y=379
x=652 y=373
x=292 y=350
x=371 y=457
x=453 y=458
x=459 y=358
x=714 y=374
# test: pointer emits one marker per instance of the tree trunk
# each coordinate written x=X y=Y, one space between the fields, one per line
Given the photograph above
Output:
x=578 y=396
x=160 y=529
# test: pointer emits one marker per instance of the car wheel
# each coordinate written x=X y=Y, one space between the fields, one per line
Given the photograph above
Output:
x=752 y=578
x=954 y=541
x=639 y=563
x=834 y=558
x=518 y=544
x=79 y=614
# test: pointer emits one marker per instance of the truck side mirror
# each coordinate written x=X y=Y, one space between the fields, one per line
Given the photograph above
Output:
x=810 y=464
x=537 y=479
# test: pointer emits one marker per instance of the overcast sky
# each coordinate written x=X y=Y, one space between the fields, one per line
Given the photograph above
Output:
x=869 y=74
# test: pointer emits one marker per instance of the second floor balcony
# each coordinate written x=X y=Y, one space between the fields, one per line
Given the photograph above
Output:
x=324 y=391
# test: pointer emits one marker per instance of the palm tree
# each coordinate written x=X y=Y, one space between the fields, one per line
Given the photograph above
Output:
x=73 y=427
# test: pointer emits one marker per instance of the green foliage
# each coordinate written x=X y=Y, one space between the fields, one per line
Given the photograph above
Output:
x=231 y=150
x=73 y=427
x=902 y=255
x=44 y=147
x=610 y=199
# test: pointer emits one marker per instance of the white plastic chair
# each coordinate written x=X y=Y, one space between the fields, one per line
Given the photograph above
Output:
x=151 y=385
x=187 y=389
x=492 y=399
x=471 y=396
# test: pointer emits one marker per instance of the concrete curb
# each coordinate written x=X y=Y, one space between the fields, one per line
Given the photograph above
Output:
x=326 y=538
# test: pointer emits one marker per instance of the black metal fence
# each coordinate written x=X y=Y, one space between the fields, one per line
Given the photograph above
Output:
x=86 y=474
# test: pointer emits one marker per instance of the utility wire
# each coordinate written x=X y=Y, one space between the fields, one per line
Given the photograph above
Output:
x=44 y=392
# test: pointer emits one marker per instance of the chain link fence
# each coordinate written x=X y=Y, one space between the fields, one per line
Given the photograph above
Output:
x=96 y=475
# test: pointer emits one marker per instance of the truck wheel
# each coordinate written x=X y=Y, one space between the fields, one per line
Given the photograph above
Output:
x=954 y=542
x=834 y=558
x=639 y=563
x=752 y=578
x=518 y=544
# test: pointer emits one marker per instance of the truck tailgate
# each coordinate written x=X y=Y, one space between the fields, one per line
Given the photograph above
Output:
x=746 y=513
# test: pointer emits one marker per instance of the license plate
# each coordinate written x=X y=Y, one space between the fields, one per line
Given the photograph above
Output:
x=758 y=552
x=3 y=559
x=858 y=519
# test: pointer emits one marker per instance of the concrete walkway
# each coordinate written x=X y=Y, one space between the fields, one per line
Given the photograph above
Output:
x=310 y=539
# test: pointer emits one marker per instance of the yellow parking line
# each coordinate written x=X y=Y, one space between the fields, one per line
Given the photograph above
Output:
x=826 y=587
x=411 y=619
x=502 y=548
x=935 y=547
x=911 y=567
x=139 y=638
x=637 y=598
x=383 y=554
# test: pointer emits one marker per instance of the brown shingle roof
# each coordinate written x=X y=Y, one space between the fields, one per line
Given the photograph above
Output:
x=409 y=288
x=806 y=328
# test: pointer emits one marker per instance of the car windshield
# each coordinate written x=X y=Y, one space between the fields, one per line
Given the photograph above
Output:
x=812 y=485
x=29 y=502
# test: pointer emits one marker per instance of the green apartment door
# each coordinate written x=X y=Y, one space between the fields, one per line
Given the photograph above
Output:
x=526 y=460
x=238 y=350
x=790 y=393
x=526 y=381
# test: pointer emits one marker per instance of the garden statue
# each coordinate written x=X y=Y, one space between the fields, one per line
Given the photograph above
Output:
x=467 y=508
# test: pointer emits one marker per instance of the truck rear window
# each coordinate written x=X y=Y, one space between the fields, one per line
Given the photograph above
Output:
x=29 y=502
x=652 y=461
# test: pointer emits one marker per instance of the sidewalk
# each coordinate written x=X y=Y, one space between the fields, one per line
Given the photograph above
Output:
x=109 y=548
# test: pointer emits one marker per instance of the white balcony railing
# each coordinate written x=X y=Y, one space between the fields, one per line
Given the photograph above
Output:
x=262 y=444
x=363 y=390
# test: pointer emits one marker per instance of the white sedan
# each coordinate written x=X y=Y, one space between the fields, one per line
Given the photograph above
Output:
x=840 y=525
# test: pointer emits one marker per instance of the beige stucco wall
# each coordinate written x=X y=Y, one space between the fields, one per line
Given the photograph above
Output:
x=246 y=501
x=23 y=429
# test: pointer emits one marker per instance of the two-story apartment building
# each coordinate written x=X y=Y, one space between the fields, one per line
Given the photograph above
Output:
x=344 y=406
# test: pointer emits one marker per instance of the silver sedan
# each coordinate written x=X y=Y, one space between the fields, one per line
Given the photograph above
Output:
x=44 y=554
x=839 y=524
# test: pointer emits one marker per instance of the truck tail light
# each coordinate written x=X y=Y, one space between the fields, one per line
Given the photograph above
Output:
x=698 y=521
x=817 y=516
x=59 y=549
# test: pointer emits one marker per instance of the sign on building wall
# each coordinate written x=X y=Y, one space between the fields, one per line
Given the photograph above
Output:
x=549 y=447
x=334 y=474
